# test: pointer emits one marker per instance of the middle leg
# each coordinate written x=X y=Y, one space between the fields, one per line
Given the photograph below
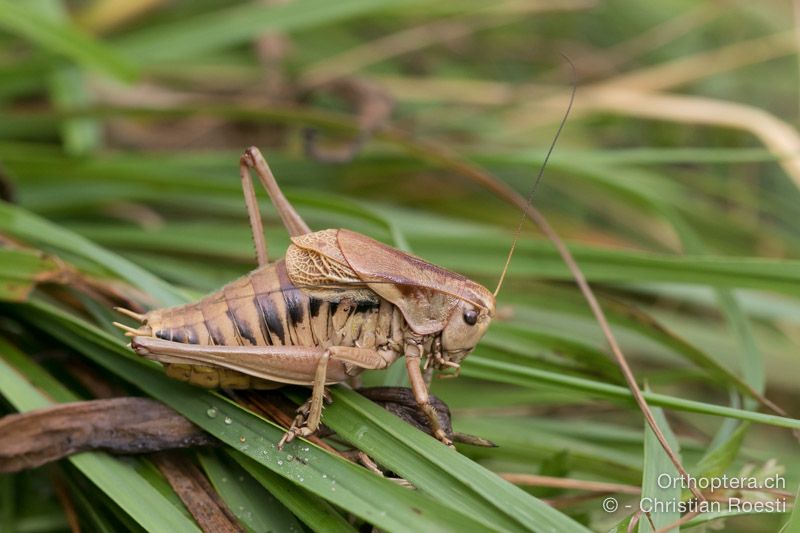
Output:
x=310 y=414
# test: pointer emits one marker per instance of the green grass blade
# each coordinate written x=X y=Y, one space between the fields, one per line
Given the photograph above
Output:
x=376 y=500
x=480 y=367
x=69 y=91
x=24 y=225
x=20 y=270
x=793 y=524
x=252 y=505
x=531 y=442
x=117 y=479
x=64 y=40
x=433 y=468
x=238 y=24
x=318 y=514
x=719 y=458
x=657 y=465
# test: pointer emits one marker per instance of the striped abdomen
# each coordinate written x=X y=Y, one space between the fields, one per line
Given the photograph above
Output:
x=265 y=308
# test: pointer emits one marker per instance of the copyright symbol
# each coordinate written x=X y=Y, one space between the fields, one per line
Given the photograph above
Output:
x=610 y=504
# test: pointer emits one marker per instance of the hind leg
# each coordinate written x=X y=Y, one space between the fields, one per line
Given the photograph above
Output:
x=252 y=158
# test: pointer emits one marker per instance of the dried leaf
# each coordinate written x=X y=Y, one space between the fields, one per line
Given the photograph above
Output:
x=196 y=493
x=400 y=402
x=118 y=425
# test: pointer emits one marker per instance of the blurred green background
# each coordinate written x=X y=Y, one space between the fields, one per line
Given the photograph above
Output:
x=675 y=183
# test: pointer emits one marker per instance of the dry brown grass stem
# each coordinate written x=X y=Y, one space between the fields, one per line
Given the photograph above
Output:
x=679 y=72
x=101 y=16
x=441 y=155
x=533 y=480
x=636 y=94
x=780 y=137
x=661 y=77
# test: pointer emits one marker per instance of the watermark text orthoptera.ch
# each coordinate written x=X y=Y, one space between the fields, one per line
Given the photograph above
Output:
x=723 y=482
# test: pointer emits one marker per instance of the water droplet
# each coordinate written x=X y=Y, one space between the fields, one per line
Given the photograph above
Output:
x=301 y=480
x=241 y=507
x=228 y=420
x=241 y=478
x=324 y=476
x=224 y=480
x=212 y=412
x=242 y=438
x=280 y=463
x=289 y=457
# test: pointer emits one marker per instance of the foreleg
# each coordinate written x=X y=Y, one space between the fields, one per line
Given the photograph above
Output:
x=422 y=397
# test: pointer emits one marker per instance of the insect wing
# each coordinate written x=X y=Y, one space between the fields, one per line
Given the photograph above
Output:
x=426 y=294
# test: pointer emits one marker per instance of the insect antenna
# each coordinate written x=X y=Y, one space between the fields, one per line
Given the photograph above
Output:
x=529 y=199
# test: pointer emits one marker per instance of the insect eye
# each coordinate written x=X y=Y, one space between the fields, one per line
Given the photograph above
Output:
x=471 y=317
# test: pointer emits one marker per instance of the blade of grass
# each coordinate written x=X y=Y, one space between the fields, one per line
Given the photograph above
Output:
x=26 y=226
x=115 y=478
x=318 y=514
x=530 y=443
x=479 y=367
x=792 y=525
x=657 y=464
x=376 y=500
x=20 y=270
x=717 y=459
x=411 y=454
x=635 y=320
x=98 y=522
x=64 y=40
x=67 y=89
x=479 y=255
x=238 y=24
x=751 y=360
x=251 y=504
